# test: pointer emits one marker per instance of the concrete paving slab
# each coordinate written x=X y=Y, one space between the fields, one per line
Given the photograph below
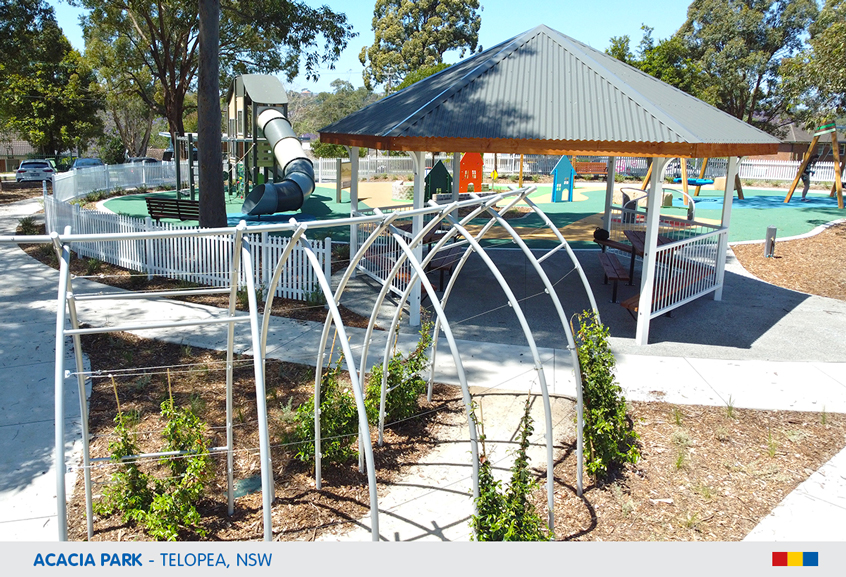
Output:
x=772 y=385
x=814 y=511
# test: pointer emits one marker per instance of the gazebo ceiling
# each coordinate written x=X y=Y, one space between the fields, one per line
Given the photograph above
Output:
x=542 y=92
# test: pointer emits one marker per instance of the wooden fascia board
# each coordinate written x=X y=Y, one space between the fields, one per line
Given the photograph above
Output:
x=569 y=147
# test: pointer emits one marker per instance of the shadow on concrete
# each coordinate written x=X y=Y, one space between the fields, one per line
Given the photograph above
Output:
x=754 y=320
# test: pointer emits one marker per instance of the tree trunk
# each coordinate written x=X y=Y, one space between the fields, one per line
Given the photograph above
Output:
x=212 y=202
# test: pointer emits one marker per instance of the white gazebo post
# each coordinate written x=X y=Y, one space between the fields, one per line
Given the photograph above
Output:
x=650 y=245
x=353 y=199
x=722 y=245
x=416 y=224
x=456 y=180
x=609 y=192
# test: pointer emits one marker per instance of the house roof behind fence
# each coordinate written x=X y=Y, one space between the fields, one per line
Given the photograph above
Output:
x=542 y=92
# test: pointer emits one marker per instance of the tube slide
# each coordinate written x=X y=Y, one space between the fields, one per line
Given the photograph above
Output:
x=297 y=171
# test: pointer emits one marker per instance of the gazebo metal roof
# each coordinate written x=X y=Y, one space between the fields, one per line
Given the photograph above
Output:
x=542 y=92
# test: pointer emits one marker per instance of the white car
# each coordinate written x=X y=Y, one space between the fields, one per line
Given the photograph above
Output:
x=34 y=170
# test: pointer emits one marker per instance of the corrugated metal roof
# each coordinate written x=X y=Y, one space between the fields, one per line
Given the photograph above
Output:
x=544 y=86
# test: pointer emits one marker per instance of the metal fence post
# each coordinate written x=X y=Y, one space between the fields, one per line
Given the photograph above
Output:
x=148 y=249
x=327 y=259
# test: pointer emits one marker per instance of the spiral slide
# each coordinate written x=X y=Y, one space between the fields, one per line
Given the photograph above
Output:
x=297 y=171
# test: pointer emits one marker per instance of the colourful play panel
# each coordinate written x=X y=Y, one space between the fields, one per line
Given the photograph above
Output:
x=577 y=220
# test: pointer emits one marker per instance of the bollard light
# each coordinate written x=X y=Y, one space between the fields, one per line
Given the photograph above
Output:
x=769 y=243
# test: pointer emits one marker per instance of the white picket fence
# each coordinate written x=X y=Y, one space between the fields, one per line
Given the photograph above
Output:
x=81 y=182
x=201 y=260
x=509 y=164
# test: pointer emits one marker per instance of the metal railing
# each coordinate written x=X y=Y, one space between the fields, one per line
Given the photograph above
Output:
x=685 y=270
x=382 y=255
x=685 y=267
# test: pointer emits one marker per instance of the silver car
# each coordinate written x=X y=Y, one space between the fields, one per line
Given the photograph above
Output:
x=34 y=170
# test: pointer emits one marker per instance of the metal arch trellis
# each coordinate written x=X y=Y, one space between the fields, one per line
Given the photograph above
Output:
x=259 y=331
x=67 y=307
x=440 y=316
x=513 y=302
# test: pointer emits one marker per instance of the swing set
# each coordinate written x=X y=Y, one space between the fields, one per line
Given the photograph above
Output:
x=839 y=164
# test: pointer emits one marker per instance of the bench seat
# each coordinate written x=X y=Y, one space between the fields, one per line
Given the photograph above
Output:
x=591 y=168
x=176 y=208
x=614 y=271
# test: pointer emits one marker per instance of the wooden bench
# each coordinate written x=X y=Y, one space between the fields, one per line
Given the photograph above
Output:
x=591 y=168
x=603 y=244
x=614 y=271
x=445 y=261
x=180 y=209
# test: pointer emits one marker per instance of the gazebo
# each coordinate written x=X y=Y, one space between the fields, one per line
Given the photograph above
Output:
x=543 y=92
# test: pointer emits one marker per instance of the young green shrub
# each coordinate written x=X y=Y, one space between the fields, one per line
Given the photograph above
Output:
x=609 y=440
x=163 y=506
x=315 y=296
x=174 y=505
x=92 y=265
x=338 y=422
x=27 y=225
x=128 y=491
x=405 y=385
x=509 y=515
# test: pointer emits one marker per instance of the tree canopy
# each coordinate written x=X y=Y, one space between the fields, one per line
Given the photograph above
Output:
x=739 y=44
x=48 y=95
x=668 y=60
x=410 y=34
x=308 y=114
x=816 y=77
x=143 y=40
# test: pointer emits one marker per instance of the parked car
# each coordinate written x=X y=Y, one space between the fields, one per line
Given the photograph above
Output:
x=87 y=163
x=144 y=160
x=34 y=170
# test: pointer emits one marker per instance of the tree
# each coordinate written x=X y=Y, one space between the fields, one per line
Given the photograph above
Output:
x=669 y=60
x=410 y=34
x=420 y=74
x=212 y=201
x=815 y=78
x=310 y=114
x=739 y=45
x=132 y=116
x=48 y=95
x=161 y=38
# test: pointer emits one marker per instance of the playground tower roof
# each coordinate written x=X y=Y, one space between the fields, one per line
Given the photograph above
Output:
x=542 y=92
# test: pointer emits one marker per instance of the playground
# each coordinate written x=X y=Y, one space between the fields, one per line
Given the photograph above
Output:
x=577 y=220
x=503 y=325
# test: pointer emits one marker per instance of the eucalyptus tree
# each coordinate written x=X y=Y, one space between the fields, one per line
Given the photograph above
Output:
x=411 y=34
x=160 y=40
x=739 y=45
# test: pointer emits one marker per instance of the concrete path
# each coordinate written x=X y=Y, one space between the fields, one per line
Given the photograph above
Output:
x=691 y=361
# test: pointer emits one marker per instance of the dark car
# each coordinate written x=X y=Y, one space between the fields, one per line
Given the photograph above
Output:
x=144 y=160
x=34 y=170
x=87 y=163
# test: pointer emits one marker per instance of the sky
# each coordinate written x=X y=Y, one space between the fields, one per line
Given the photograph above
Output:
x=592 y=22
